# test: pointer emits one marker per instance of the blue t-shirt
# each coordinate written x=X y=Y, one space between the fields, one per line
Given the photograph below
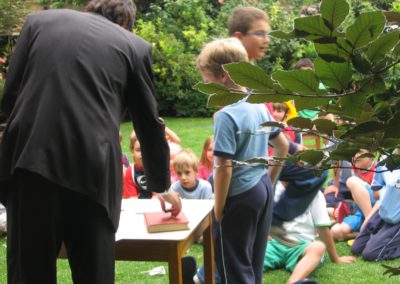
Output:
x=202 y=191
x=389 y=184
x=238 y=135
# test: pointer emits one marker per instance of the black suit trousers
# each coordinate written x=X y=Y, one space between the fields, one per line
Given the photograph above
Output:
x=41 y=215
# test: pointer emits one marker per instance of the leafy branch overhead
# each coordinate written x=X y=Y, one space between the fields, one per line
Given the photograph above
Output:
x=352 y=79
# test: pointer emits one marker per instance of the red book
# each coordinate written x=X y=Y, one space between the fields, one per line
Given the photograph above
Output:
x=163 y=222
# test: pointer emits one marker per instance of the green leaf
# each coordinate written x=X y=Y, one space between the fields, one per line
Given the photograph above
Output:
x=224 y=99
x=273 y=124
x=391 y=143
x=392 y=130
x=361 y=64
x=392 y=162
x=311 y=103
x=249 y=75
x=300 y=122
x=352 y=105
x=257 y=160
x=366 y=28
x=311 y=28
x=220 y=95
x=312 y=157
x=344 y=152
x=334 y=75
x=396 y=50
x=283 y=35
x=374 y=85
x=364 y=128
x=212 y=88
x=325 y=126
x=304 y=82
x=271 y=98
x=382 y=45
x=334 y=11
x=332 y=52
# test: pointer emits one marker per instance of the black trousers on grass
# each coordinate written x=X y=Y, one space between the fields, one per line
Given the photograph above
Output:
x=240 y=239
x=40 y=216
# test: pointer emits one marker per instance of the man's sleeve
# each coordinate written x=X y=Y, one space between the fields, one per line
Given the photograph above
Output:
x=16 y=70
x=149 y=128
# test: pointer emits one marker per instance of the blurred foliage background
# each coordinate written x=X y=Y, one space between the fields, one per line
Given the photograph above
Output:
x=177 y=29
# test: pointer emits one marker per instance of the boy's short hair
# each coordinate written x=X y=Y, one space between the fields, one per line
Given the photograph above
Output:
x=185 y=158
x=305 y=62
x=218 y=52
x=242 y=18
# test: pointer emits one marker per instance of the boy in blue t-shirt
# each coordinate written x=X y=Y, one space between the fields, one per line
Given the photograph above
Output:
x=188 y=185
x=243 y=194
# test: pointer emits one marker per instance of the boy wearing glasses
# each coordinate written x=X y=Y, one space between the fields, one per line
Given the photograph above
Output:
x=251 y=26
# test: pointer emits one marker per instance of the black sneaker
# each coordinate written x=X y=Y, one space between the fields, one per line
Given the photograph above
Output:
x=189 y=269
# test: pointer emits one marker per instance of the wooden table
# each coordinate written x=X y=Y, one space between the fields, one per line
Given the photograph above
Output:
x=135 y=243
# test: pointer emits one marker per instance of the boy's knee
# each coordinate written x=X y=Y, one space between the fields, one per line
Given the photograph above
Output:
x=357 y=248
x=370 y=254
x=352 y=181
x=316 y=248
x=319 y=248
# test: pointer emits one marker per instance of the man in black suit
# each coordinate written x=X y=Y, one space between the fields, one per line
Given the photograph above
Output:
x=71 y=78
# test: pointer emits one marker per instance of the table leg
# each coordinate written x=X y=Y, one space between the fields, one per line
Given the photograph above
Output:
x=175 y=266
x=208 y=251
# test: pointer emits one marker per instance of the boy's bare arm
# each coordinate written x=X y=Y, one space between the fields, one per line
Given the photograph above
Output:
x=222 y=180
x=326 y=238
x=280 y=149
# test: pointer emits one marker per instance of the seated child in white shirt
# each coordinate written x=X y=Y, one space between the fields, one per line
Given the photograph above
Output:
x=188 y=185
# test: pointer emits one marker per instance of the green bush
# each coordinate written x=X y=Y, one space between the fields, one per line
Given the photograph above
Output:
x=1 y=89
x=177 y=29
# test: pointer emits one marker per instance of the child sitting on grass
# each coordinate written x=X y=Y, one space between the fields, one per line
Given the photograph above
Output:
x=188 y=185
x=135 y=185
x=357 y=178
x=298 y=250
x=379 y=238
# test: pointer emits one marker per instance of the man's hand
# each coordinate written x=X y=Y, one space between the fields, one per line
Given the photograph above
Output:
x=172 y=198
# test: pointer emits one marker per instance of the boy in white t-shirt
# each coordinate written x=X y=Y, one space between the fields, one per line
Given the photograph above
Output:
x=297 y=250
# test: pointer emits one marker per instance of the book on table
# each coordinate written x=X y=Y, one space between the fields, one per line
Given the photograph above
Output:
x=163 y=222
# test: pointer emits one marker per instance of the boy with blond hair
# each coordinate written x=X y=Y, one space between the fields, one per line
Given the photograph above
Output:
x=188 y=185
x=243 y=195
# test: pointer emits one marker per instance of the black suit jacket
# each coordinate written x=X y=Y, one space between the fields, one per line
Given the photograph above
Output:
x=71 y=78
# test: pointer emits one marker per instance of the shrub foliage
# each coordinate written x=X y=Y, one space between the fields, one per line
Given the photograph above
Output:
x=357 y=61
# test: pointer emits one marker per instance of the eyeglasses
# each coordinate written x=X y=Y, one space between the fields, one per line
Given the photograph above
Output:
x=258 y=34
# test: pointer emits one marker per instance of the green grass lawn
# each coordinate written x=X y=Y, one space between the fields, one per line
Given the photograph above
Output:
x=193 y=132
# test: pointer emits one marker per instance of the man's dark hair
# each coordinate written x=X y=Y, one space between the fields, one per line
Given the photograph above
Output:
x=121 y=12
x=305 y=62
